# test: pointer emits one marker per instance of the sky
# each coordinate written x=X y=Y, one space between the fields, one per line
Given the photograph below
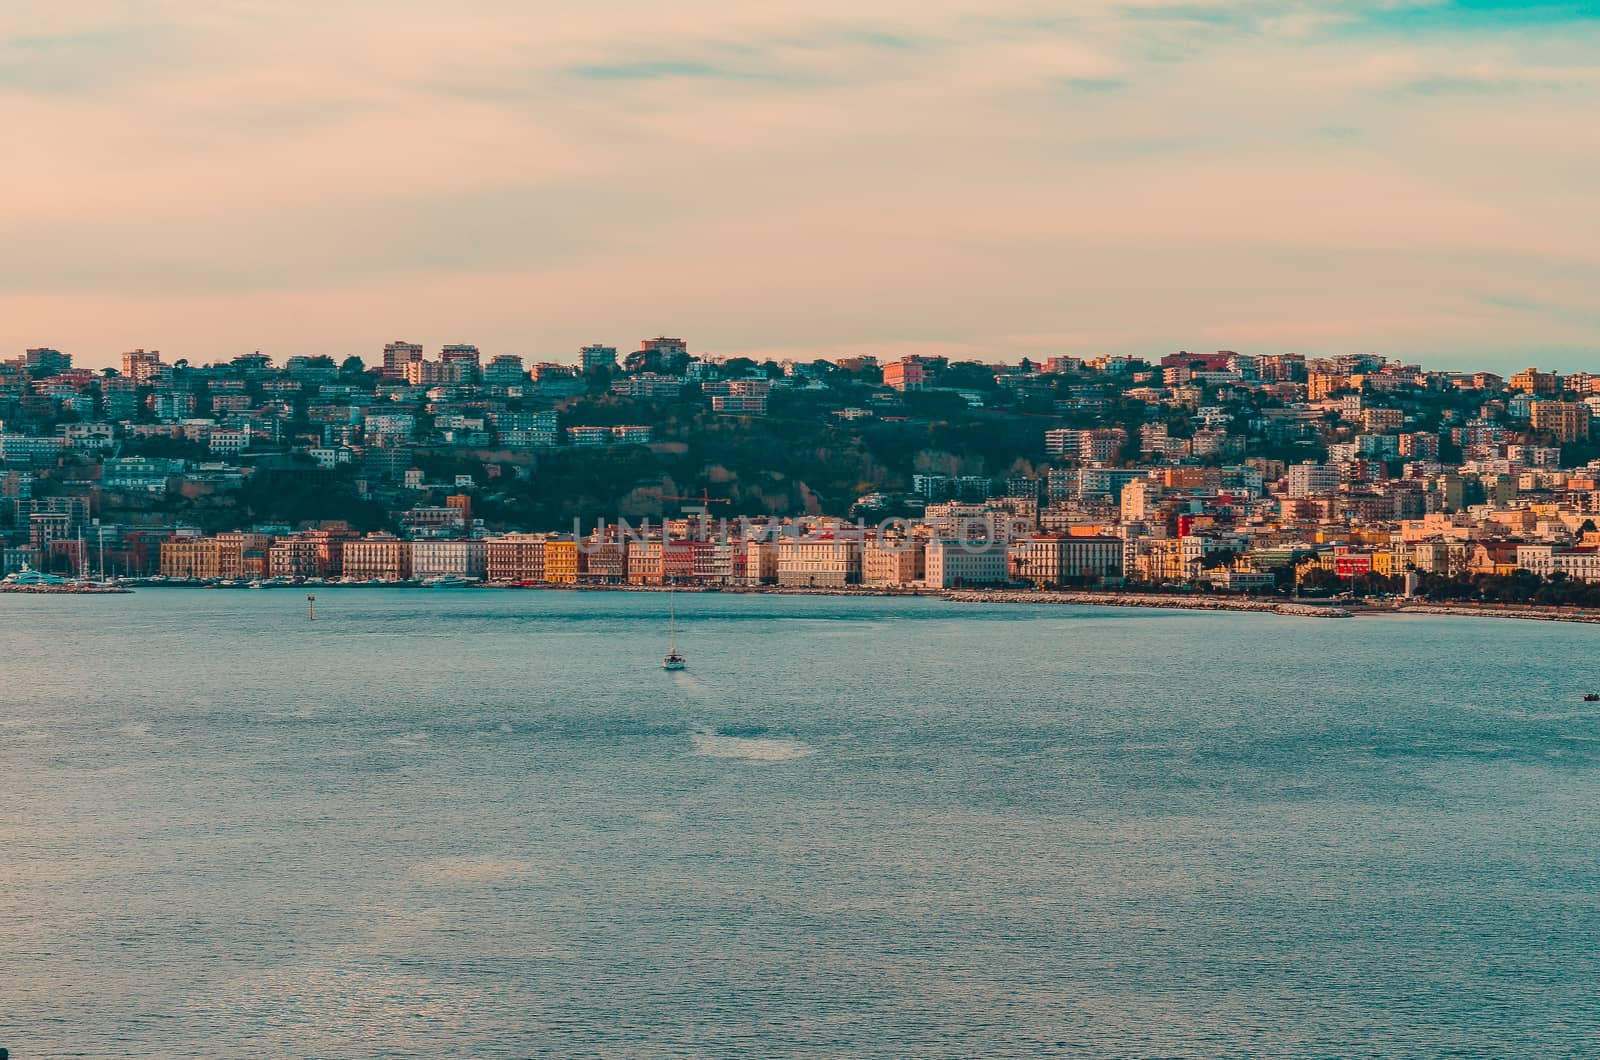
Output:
x=986 y=179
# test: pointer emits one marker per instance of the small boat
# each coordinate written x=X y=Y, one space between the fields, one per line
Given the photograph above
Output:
x=672 y=660
x=1591 y=697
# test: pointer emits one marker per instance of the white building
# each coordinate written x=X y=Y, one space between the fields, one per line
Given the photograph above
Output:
x=820 y=561
x=1308 y=478
x=432 y=558
x=88 y=435
x=329 y=457
x=227 y=441
x=952 y=563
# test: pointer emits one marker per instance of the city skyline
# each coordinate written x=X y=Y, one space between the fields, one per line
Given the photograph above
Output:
x=373 y=355
x=988 y=181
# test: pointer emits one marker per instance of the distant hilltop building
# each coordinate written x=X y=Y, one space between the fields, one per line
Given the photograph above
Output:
x=46 y=361
x=397 y=355
x=597 y=358
x=660 y=354
x=908 y=373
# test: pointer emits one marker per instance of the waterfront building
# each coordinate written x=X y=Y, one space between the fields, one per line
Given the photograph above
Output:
x=561 y=561
x=761 y=562
x=645 y=561
x=898 y=561
x=603 y=562
x=243 y=554
x=201 y=559
x=1173 y=560
x=514 y=559
x=1056 y=560
x=953 y=563
x=818 y=561
x=1242 y=580
x=377 y=557
x=294 y=557
x=448 y=558
x=678 y=561
x=1579 y=564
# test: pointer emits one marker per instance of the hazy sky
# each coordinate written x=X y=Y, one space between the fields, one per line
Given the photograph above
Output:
x=989 y=178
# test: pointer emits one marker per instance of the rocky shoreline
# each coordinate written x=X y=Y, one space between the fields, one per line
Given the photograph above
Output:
x=1161 y=600
x=65 y=590
x=1538 y=614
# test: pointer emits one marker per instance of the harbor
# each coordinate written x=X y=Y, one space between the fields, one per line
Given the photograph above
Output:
x=28 y=580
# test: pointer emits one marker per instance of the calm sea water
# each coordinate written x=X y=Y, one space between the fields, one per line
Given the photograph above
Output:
x=486 y=824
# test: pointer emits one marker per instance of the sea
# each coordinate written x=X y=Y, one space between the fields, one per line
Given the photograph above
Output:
x=468 y=823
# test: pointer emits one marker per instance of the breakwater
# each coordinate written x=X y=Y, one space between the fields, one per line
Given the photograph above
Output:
x=1162 y=600
x=1540 y=614
x=64 y=590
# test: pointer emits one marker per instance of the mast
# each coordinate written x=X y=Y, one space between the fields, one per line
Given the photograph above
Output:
x=672 y=611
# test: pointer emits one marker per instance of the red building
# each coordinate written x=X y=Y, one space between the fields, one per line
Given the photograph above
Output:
x=1347 y=564
x=905 y=374
x=677 y=561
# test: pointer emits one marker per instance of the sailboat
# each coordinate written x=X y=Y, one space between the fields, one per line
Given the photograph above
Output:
x=672 y=660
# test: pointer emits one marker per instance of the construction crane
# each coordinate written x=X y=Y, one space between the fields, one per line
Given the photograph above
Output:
x=705 y=500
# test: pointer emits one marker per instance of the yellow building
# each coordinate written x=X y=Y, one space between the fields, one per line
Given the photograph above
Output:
x=191 y=559
x=1568 y=421
x=1172 y=559
x=1390 y=563
x=1533 y=381
x=1321 y=385
x=561 y=561
x=899 y=561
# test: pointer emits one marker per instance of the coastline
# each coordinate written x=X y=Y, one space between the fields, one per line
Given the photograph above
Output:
x=1166 y=601
x=65 y=590
x=1539 y=614
x=1159 y=600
